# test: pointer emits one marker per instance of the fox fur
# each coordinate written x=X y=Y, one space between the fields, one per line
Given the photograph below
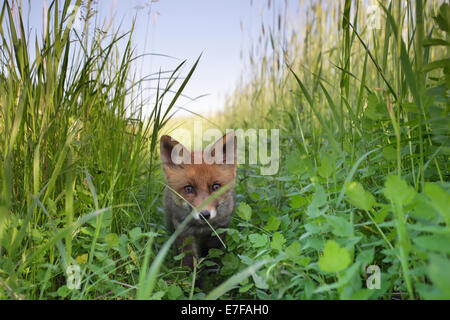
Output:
x=193 y=183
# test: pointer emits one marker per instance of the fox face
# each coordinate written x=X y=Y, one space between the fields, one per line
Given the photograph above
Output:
x=191 y=179
x=196 y=177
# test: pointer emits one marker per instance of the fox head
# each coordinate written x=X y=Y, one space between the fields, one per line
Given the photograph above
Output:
x=196 y=175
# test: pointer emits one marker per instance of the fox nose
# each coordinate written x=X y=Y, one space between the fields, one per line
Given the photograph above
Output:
x=205 y=214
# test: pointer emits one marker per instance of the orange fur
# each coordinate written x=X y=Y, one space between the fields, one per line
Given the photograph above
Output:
x=200 y=178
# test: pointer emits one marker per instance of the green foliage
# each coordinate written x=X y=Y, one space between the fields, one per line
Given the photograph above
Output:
x=244 y=211
x=364 y=157
x=363 y=176
x=440 y=200
x=358 y=197
x=334 y=258
x=397 y=191
x=78 y=175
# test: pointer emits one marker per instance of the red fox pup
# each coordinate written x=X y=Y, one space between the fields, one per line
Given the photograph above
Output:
x=195 y=179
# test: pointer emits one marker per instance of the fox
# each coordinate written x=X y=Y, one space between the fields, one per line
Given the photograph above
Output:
x=189 y=183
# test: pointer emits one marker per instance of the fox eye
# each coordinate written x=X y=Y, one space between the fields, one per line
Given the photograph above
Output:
x=188 y=189
x=215 y=186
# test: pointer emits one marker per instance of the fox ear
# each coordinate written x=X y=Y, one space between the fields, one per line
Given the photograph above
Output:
x=226 y=149
x=171 y=157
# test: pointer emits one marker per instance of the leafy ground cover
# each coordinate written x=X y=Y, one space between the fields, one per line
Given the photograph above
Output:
x=362 y=187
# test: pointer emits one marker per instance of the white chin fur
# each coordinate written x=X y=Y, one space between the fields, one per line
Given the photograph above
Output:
x=195 y=214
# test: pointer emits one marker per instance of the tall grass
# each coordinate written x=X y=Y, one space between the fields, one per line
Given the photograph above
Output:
x=76 y=151
x=358 y=102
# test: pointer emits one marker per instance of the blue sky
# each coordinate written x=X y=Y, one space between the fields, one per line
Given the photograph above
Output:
x=184 y=29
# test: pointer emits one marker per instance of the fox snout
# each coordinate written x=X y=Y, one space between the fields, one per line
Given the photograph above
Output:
x=206 y=214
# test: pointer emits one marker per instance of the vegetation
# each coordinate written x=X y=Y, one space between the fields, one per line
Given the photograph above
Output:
x=363 y=112
x=364 y=175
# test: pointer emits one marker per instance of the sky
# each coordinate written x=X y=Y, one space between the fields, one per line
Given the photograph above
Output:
x=220 y=30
